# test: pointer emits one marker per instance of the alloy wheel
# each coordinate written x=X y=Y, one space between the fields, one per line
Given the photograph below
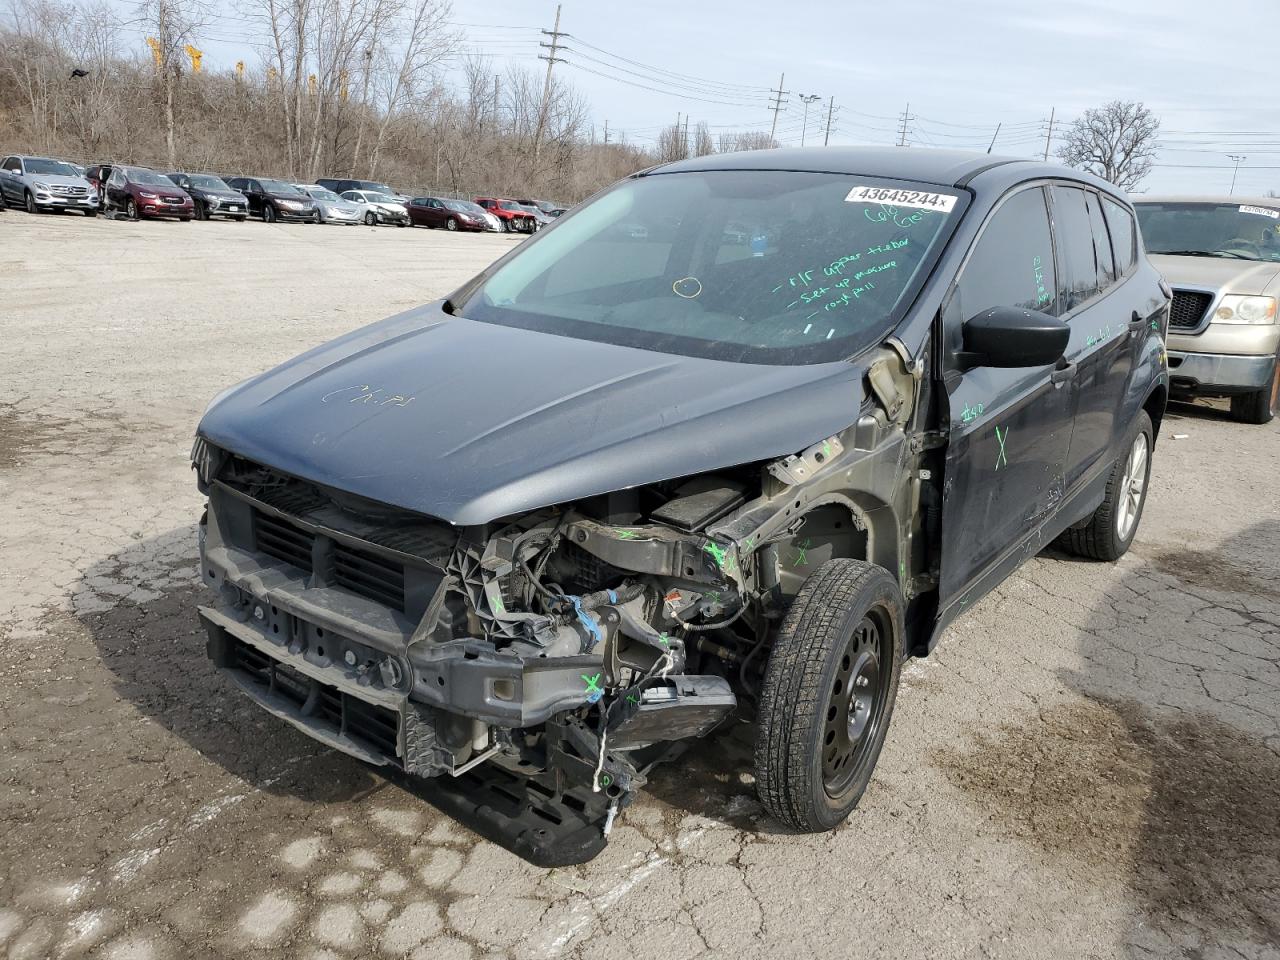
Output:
x=1133 y=485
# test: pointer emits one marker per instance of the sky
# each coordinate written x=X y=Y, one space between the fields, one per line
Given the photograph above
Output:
x=1207 y=70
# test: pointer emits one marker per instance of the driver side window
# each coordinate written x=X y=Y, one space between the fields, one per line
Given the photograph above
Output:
x=1012 y=263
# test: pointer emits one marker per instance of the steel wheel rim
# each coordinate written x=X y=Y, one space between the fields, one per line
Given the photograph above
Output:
x=1133 y=484
x=855 y=703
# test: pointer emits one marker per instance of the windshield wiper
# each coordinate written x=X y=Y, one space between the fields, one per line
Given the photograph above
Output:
x=1201 y=253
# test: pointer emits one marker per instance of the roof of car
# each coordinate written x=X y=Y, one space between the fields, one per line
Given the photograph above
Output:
x=899 y=163
x=1211 y=198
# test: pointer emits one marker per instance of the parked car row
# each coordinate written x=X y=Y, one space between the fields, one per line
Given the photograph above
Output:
x=44 y=184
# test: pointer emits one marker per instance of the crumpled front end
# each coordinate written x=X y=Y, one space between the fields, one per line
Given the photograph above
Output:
x=533 y=669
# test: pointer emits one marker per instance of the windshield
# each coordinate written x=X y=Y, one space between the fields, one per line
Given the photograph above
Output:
x=320 y=193
x=1238 y=231
x=754 y=266
x=508 y=205
x=52 y=168
x=206 y=182
x=460 y=206
x=279 y=186
x=150 y=177
x=380 y=198
x=375 y=187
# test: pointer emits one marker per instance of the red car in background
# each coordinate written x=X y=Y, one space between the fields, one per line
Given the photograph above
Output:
x=509 y=214
x=140 y=192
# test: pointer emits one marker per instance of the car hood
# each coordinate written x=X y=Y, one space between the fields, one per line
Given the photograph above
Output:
x=59 y=180
x=224 y=195
x=1218 y=273
x=469 y=421
x=341 y=206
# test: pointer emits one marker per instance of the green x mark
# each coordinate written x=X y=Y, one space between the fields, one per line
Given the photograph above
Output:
x=593 y=683
x=802 y=558
x=631 y=698
x=664 y=640
x=1001 y=458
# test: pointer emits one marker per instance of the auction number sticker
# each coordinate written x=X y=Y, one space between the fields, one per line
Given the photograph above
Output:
x=1260 y=211
x=915 y=199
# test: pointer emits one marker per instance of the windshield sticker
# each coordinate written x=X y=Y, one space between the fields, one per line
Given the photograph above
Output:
x=1260 y=211
x=912 y=199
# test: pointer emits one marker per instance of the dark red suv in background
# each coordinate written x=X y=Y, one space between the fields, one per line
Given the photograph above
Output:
x=509 y=214
x=140 y=192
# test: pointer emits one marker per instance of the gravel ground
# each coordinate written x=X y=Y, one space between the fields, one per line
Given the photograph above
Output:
x=1089 y=765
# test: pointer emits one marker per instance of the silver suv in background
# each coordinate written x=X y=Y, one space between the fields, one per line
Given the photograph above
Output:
x=41 y=183
x=1221 y=255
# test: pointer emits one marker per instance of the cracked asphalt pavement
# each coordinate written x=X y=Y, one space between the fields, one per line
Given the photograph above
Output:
x=1088 y=766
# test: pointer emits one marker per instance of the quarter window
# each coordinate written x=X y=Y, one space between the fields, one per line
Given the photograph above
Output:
x=1123 y=235
x=1012 y=264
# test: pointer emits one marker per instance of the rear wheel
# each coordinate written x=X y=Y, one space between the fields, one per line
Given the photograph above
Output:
x=828 y=694
x=1261 y=406
x=1109 y=532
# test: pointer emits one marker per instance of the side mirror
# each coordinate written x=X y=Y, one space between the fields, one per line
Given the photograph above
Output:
x=1013 y=337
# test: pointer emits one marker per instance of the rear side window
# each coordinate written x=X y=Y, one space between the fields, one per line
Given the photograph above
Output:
x=1101 y=244
x=1012 y=264
x=1083 y=275
x=1124 y=235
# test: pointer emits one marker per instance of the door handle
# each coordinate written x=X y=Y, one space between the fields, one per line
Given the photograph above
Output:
x=1063 y=372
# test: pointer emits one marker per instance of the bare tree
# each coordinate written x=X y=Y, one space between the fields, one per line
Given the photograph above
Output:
x=672 y=143
x=173 y=25
x=35 y=63
x=746 y=140
x=702 y=142
x=1116 y=142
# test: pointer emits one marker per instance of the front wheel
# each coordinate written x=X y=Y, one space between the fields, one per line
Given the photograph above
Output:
x=31 y=203
x=91 y=213
x=1260 y=406
x=1108 y=534
x=131 y=209
x=268 y=213
x=371 y=219
x=240 y=219
x=317 y=218
x=828 y=694
x=451 y=224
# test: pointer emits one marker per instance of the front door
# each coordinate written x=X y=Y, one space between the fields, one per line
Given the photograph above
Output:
x=1009 y=429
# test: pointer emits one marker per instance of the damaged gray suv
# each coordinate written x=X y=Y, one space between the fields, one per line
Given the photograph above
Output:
x=629 y=484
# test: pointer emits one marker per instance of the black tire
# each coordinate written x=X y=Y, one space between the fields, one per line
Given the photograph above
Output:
x=201 y=212
x=91 y=213
x=815 y=751
x=317 y=218
x=31 y=203
x=370 y=219
x=240 y=219
x=268 y=213
x=1101 y=537
x=451 y=225
x=1261 y=406
x=131 y=209
x=184 y=219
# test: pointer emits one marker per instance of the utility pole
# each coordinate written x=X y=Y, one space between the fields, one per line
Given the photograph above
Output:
x=902 y=131
x=552 y=49
x=1049 y=136
x=606 y=133
x=831 y=106
x=1238 y=160
x=993 y=137
x=777 y=103
x=684 y=141
x=806 y=99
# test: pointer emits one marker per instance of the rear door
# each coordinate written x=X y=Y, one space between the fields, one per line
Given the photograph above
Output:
x=1104 y=330
x=1009 y=429
x=8 y=180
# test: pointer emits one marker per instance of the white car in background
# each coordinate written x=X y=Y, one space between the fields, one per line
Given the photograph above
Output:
x=378 y=208
x=333 y=208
